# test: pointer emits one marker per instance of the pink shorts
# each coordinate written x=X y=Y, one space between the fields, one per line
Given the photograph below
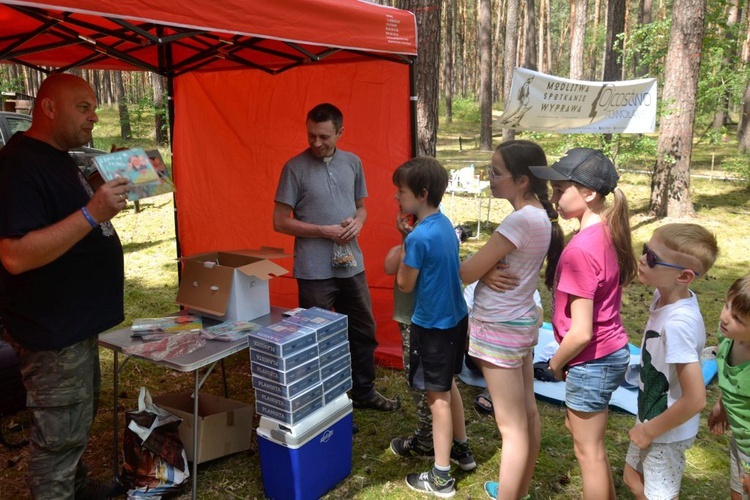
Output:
x=506 y=343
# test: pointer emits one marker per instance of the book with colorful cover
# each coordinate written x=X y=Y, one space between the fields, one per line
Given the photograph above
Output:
x=229 y=331
x=167 y=324
x=135 y=166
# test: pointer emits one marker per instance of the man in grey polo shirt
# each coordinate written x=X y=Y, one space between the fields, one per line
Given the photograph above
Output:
x=320 y=201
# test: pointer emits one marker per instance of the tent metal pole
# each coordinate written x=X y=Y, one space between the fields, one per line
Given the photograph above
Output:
x=165 y=65
x=413 y=102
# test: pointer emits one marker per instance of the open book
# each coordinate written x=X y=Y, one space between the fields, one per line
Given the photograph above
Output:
x=136 y=166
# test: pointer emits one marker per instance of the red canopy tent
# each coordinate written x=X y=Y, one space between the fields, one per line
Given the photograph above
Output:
x=243 y=74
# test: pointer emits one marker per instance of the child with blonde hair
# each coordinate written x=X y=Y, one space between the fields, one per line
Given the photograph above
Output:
x=671 y=391
x=594 y=266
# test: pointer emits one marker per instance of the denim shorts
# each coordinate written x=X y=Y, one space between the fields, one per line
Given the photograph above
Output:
x=589 y=386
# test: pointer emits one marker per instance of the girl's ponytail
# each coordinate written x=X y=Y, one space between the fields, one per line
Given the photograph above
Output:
x=557 y=240
x=618 y=221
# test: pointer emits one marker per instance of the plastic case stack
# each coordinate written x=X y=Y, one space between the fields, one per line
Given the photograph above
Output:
x=300 y=364
x=301 y=370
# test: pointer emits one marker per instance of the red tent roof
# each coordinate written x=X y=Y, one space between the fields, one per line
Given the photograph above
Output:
x=272 y=35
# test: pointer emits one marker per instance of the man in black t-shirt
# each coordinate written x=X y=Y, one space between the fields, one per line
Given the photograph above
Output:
x=61 y=280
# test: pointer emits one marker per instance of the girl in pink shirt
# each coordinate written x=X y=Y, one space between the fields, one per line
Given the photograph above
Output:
x=594 y=266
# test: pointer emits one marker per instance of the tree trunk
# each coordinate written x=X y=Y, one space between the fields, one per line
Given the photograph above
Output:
x=450 y=5
x=107 y=79
x=670 y=185
x=578 y=13
x=125 y=131
x=509 y=59
x=743 y=129
x=721 y=117
x=529 y=60
x=644 y=17
x=484 y=46
x=615 y=26
x=160 y=110
x=427 y=68
x=96 y=84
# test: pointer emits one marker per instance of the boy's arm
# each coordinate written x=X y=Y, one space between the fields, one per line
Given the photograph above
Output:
x=406 y=278
x=577 y=338
x=718 y=421
x=693 y=400
x=392 y=260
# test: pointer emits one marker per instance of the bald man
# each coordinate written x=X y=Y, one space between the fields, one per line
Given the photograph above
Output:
x=61 y=281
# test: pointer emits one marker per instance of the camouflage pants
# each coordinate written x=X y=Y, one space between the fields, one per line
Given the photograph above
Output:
x=62 y=389
x=423 y=433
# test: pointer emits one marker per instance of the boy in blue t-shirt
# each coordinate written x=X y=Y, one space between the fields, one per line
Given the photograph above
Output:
x=429 y=267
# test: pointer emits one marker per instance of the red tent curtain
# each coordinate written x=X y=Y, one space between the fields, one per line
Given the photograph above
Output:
x=235 y=129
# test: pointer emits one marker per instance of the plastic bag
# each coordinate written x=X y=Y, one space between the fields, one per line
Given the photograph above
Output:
x=343 y=256
x=154 y=460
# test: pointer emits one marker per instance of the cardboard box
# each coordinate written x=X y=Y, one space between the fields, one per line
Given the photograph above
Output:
x=224 y=425
x=229 y=286
x=305 y=461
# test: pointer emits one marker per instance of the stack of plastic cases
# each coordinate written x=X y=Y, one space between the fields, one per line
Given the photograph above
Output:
x=300 y=364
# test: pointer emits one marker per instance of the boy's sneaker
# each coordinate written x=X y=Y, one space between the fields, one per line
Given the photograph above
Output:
x=409 y=447
x=432 y=484
x=461 y=454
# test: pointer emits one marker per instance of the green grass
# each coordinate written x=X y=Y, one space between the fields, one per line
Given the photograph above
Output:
x=151 y=285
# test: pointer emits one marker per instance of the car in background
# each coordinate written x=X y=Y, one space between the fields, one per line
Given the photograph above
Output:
x=10 y=123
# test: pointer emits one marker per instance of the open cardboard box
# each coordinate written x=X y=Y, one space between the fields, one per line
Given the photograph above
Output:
x=224 y=425
x=229 y=286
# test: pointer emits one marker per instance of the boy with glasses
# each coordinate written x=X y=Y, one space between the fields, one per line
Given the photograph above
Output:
x=671 y=391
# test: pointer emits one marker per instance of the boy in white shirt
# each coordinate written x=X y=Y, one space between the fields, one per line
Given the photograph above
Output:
x=671 y=391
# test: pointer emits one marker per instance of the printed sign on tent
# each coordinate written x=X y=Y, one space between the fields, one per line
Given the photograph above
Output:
x=546 y=103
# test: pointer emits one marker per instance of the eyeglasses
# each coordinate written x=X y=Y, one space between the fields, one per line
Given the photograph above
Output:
x=652 y=260
x=493 y=175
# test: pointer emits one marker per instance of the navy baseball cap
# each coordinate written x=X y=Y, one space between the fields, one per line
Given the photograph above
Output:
x=585 y=166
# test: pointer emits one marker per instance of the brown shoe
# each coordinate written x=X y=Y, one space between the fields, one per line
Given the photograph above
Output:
x=377 y=402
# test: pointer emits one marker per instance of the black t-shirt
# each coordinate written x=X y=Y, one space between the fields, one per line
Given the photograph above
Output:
x=81 y=293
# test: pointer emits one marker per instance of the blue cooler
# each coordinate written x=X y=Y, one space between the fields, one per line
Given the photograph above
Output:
x=306 y=460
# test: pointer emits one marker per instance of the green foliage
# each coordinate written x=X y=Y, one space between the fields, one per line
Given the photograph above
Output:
x=466 y=109
x=722 y=75
x=739 y=165
x=648 y=43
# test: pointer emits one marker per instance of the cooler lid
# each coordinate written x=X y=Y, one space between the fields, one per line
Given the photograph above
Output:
x=296 y=435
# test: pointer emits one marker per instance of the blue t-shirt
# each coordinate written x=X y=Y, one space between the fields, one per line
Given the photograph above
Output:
x=433 y=249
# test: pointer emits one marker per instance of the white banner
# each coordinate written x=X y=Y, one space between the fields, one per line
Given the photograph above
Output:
x=546 y=103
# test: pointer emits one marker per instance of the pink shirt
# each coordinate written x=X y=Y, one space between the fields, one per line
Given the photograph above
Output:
x=588 y=269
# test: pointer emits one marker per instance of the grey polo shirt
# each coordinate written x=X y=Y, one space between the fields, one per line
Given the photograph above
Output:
x=322 y=193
